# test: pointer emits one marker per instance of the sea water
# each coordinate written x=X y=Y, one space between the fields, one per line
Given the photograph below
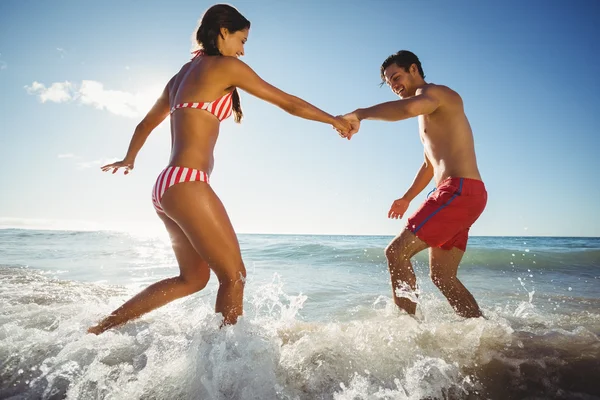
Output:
x=319 y=322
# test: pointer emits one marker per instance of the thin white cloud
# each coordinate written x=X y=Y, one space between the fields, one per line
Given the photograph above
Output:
x=66 y=155
x=3 y=64
x=58 y=92
x=61 y=51
x=80 y=163
x=117 y=102
x=93 y=93
x=95 y=163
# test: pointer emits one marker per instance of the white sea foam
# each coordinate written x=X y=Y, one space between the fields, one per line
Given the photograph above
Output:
x=319 y=323
x=179 y=351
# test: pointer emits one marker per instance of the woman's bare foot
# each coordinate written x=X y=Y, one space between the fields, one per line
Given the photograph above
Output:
x=104 y=325
x=96 y=330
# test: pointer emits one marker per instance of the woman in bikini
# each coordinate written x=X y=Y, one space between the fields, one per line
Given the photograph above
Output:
x=201 y=233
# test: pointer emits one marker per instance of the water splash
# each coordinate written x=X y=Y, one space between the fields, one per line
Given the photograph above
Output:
x=179 y=351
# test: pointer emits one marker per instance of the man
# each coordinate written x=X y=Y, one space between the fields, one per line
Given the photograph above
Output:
x=442 y=222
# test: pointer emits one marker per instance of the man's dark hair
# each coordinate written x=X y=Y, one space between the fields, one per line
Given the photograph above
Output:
x=404 y=59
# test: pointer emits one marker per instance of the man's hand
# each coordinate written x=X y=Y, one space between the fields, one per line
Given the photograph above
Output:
x=353 y=122
x=352 y=118
x=342 y=126
x=398 y=208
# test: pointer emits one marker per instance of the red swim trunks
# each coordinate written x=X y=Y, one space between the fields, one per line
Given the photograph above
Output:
x=444 y=219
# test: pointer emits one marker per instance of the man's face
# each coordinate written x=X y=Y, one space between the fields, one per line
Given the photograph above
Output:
x=401 y=82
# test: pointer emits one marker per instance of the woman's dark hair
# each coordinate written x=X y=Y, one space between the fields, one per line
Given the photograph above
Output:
x=403 y=59
x=217 y=17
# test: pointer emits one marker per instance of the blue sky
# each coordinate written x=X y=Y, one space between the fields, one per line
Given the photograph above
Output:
x=76 y=77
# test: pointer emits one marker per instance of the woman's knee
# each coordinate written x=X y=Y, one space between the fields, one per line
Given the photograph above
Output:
x=231 y=272
x=198 y=280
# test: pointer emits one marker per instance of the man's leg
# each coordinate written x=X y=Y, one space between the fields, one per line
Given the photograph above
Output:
x=444 y=267
x=398 y=254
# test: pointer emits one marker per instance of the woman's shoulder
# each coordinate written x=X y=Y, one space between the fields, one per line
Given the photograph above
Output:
x=232 y=66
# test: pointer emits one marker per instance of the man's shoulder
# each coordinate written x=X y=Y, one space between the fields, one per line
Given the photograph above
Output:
x=443 y=93
x=435 y=89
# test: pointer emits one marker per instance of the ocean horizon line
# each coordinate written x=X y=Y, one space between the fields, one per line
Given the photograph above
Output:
x=104 y=229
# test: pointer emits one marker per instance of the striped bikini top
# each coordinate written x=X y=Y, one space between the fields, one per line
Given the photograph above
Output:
x=222 y=108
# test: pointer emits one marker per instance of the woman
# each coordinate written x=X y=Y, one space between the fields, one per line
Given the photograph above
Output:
x=201 y=233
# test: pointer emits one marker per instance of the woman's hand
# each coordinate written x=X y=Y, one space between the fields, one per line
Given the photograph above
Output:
x=127 y=165
x=343 y=127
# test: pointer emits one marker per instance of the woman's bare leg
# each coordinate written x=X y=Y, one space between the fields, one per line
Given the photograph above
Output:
x=198 y=211
x=194 y=275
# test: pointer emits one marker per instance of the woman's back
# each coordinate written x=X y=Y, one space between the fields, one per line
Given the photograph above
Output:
x=198 y=102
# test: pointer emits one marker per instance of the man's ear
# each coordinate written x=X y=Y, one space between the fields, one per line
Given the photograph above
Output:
x=414 y=70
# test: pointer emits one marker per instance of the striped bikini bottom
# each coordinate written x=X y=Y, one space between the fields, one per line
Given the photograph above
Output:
x=171 y=176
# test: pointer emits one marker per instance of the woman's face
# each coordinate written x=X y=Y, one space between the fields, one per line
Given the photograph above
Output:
x=232 y=44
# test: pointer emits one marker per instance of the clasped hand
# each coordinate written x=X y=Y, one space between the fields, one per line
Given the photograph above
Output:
x=349 y=126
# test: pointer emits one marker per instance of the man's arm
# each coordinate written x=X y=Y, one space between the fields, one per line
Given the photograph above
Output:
x=423 y=103
x=421 y=180
x=423 y=177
